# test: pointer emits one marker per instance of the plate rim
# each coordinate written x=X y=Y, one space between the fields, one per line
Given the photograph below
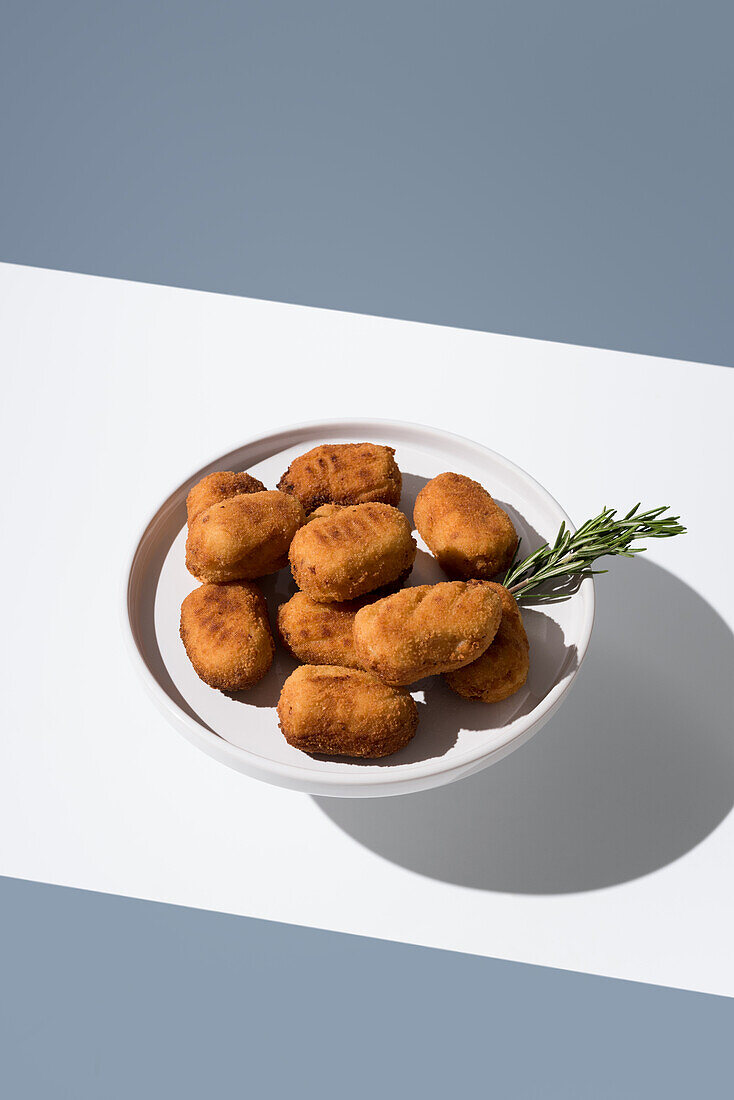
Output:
x=423 y=774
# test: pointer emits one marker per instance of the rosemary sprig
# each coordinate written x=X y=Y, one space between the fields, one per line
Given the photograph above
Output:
x=564 y=565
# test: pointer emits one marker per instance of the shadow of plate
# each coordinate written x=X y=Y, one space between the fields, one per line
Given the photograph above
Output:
x=635 y=770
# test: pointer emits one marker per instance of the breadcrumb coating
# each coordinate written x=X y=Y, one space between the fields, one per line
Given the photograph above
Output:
x=464 y=528
x=426 y=630
x=503 y=667
x=217 y=487
x=351 y=552
x=319 y=633
x=343 y=473
x=243 y=537
x=226 y=634
x=345 y=712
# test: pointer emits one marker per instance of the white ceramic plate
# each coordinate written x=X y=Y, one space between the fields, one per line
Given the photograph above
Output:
x=455 y=737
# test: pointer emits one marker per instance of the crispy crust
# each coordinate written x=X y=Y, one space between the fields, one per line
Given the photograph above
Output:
x=243 y=537
x=503 y=667
x=426 y=630
x=217 y=487
x=319 y=633
x=466 y=530
x=226 y=634
x=345 y=712
x=343 y=473
x=351 y=552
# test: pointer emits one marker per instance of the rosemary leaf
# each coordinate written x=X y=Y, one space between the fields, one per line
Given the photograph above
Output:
x=559 y=569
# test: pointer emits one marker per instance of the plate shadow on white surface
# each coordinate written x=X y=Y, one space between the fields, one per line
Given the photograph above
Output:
x=634 y=771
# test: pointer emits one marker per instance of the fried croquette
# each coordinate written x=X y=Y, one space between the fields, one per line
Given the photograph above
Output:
x=243 y=537
x=219 y=486
x=319 y=633
x=345 y=712
x=226 y=634
x=503 y=667
x=426 y=630
x=463 y=527
x=352 y=552
x=343 y=473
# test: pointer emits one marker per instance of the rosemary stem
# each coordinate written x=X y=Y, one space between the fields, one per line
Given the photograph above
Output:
x=572 y=555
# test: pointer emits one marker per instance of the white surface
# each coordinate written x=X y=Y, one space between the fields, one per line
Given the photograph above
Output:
x=112 y=389
x=455 y=737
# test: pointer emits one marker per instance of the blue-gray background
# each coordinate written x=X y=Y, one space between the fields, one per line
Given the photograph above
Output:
x=560 y=170
x=553 y=168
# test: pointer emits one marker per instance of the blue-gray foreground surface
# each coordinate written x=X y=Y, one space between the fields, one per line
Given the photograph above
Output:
x=104 y=996
x=560 y=170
